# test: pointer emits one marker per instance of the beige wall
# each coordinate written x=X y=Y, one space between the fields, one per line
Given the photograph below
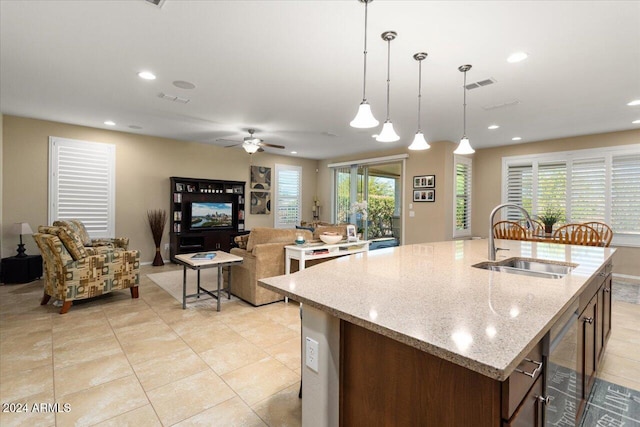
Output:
x=432 y=221
x=143 y=167
x=487 y=176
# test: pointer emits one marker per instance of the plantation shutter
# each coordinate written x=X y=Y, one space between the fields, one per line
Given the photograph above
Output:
x=552 y=186
x=82 y=184
x=625 y=194
x=463 y=197
x=588 y=190
x=519 y=190
x=288 y=196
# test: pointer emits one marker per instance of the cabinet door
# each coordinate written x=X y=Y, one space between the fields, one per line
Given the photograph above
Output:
x=606 y=312
x=589 y=320
x=529 y=413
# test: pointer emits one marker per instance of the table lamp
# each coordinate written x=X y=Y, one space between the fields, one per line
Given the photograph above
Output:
x=22 y=228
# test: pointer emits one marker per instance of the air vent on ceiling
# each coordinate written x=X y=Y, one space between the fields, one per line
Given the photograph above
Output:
x=173 y=98
x=502 y=105
x=158 y=3
x=485 y=82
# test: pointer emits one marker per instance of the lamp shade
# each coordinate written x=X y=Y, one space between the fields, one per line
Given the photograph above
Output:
x=250 y=148
x=364 y=119
x=419 y=143
x=388 y=134
x=22 y=228
x=464 y=147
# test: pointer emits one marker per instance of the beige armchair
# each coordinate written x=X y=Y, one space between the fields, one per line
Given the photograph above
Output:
x=74 y=272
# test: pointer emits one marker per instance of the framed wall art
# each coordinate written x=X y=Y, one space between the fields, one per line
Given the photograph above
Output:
x=424 y=181
x=260 y=178
x=260 y=203
x=424 y=195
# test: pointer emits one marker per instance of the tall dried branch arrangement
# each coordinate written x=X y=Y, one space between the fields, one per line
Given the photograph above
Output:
x=157 y=220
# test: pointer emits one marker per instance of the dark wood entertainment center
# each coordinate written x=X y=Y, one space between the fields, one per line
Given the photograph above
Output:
x=185 y=236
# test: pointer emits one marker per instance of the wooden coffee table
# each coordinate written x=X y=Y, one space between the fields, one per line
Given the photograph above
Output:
x=221 y=259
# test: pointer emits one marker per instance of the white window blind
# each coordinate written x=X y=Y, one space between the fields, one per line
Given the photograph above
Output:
x=519 y=190
x=82 y=184
x=588 y=192
x=552 y=186
x=462 y=190
x=625 y=194
x=587 y=185
x=288 y=197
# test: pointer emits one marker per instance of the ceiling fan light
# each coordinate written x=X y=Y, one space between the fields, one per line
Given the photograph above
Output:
x=464 y=147
x=250 y=148
x=364 y=119
x=419 y=143
x=388 y=134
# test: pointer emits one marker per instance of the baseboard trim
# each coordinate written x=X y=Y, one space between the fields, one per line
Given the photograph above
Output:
x=627 y=278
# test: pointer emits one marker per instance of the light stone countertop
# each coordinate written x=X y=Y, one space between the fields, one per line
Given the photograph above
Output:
x=430 y=297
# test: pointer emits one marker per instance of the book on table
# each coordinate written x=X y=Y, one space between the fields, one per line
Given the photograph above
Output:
x=204 y=255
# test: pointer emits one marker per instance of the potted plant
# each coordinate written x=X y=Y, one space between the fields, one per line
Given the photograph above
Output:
x=549 y=217
x=157 y=220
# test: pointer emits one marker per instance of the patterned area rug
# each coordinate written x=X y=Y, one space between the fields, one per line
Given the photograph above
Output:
x=171 y=282
x=626 y=292
x=609 y=404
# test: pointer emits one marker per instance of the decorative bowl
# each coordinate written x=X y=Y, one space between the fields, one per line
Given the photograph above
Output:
x=330 y=239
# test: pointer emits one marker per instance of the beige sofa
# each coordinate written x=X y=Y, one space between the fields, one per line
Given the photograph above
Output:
x=263 y=253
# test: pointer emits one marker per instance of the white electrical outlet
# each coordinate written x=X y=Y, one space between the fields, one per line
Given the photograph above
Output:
x=312 y=354
x=412 y=214
x=166 y=246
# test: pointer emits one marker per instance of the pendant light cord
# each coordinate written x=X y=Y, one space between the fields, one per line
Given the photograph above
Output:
x=364 y=82
x=464 y=109
x=388 y=73
x=419 y=92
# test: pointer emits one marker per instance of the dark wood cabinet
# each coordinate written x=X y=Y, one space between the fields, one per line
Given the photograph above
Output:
x=384 y=382
x=529 y=413
x=192 y=230
x=595 y=328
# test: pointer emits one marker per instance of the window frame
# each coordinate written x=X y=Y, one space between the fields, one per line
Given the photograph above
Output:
x=101 y=149
x=468 y=161
x=276 y=195
x=569 y=157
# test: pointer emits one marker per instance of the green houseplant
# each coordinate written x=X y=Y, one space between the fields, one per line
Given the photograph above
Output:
x=549 y=217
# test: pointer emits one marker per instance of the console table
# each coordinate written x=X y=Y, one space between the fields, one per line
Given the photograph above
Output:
x=309 y=251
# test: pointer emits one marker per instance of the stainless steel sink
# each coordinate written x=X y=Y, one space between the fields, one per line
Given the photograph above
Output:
x=529 y=267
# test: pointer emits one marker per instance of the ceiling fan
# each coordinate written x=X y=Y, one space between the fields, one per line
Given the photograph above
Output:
x=251 y=144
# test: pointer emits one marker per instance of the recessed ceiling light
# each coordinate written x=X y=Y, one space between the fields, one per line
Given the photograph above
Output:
x=516 y=138
x=634 y=102
x=184 y=85
x=147 y=75
x=517 y=57
x=294 y=152
x=110 y=123
x=492 y=127
x=636 y=122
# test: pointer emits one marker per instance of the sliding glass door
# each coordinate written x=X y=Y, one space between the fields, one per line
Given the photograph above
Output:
x=370 y=197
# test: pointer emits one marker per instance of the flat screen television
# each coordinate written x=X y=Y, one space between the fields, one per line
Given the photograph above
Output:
x=211 y=215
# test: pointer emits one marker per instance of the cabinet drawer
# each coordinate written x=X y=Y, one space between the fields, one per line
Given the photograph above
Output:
x=529 y=414
x=515 y=388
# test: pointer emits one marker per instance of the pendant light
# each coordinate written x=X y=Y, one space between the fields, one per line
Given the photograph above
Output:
x=464 y=147
x=419 y=143
x=364 y=118
x=388 y=134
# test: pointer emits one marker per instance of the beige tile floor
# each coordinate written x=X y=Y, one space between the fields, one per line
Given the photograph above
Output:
x=146 y=362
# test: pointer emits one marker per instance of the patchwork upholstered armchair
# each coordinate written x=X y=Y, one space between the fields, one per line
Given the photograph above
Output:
x=74 y=271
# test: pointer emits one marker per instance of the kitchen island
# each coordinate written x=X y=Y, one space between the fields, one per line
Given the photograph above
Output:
x=421 y=323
